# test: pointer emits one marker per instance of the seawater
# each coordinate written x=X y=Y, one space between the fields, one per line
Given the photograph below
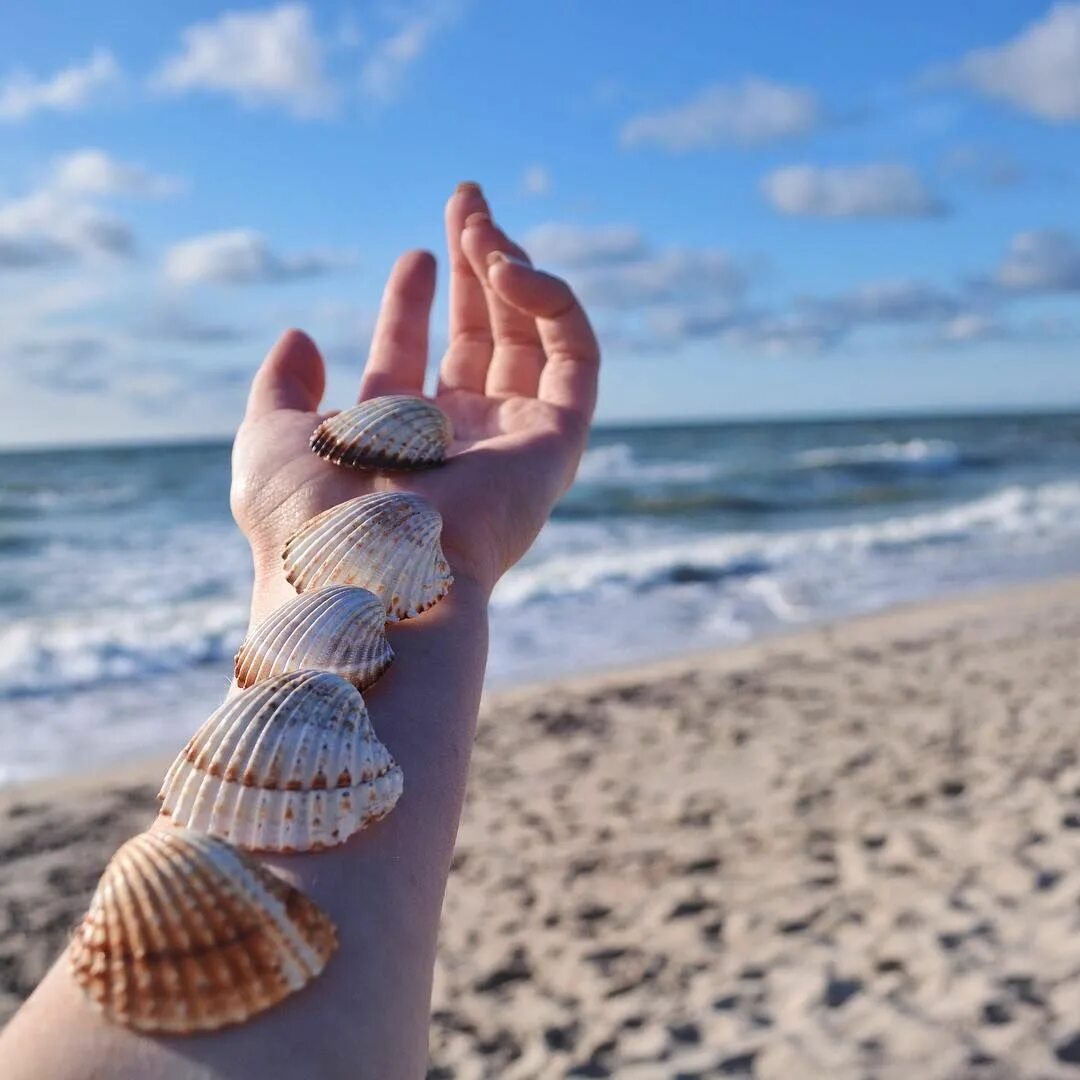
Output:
x=124 y=582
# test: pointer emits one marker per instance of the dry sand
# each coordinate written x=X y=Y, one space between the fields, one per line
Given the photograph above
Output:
x=854 y=852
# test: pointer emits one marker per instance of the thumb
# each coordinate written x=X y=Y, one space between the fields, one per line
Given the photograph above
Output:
x=291 y=377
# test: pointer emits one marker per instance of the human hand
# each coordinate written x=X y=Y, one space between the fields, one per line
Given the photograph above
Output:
x=518 y=382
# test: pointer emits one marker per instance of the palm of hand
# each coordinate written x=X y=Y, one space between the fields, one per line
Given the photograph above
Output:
x=503 y=473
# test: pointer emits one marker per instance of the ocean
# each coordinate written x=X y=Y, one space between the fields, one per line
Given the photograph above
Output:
x=124 y=582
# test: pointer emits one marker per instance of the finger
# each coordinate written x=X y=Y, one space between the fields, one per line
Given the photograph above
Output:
x=518 y=356
x=399 y=348
x=569 y=376
x=469 y=352
x=291 y=377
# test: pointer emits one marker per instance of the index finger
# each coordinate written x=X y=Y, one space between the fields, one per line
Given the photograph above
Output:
x=571 y=371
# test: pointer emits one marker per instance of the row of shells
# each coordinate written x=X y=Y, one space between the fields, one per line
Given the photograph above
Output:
x=186 y=932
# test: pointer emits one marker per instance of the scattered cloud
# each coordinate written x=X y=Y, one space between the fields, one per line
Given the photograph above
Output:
x=1040 y=261
x=748 y=113
x=674 y=274
x=262 y=58
x=243 y=257
x=1038 y=71
x=69 y=90
x=972 y=326
x=94 y=172
x=46 y=228
x=986 y=166
x=183 y=326
x=580 y=246
x=388 y=61
x=536 y=180
x=887 y=301
x=875 y=190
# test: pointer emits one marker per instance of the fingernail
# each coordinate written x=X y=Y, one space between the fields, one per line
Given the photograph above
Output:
x=469 y=187
x=477 y=218
x=505 y=256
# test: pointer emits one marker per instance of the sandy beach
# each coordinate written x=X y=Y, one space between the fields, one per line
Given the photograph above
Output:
x=851 y=852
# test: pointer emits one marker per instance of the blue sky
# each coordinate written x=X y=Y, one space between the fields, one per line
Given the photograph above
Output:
x=769 y=208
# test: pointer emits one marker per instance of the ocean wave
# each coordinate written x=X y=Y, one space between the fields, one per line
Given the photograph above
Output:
x=921 y=455
x=47 y=655
x=617 y=463
x=1048 y=510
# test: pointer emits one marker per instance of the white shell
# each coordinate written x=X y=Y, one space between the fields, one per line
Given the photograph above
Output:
x=340 y=629
x=387 y=542
x=293 y=764
x=185 y=933
x=393 y=432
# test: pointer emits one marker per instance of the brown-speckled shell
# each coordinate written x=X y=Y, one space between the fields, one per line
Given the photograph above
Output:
x=394 y=432
x=185 y=934
x=340 y=629
x=387 y=542
x=293 y=764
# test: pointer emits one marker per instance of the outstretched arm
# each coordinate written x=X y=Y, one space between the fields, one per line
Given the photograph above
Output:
x=519 y=382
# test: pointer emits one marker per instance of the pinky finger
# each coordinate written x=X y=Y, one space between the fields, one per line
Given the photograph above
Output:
x=570 y=373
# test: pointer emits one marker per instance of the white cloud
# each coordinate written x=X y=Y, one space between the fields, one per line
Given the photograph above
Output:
x=879 y=189
x=577 y=246
x=262 y=58
x=1037 y=71
x=387 y=64
x=674 y=274
x=971 y=326
x=984 y=165
x=45 y=228
x=73 y=88
x=241 y=257
x=751 y=112
x=94 y=172
x=536 y=180
x=1043 y=260
x=905 y=300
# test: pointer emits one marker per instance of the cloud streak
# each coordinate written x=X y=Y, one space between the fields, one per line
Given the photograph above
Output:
x=874 y=190
x=69 y=90
x=750 y=113
x=243 y=257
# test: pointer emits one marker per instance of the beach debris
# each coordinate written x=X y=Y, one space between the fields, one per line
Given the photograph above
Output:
x=397 y=432
x=293 y=764
x=186 y=934
x=340 y=629
x=387 y=542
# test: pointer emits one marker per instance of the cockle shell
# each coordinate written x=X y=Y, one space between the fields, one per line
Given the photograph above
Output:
x=185 y=933
x=394 y=432
x=293 y=764
x=340 y=629
x=387 y=542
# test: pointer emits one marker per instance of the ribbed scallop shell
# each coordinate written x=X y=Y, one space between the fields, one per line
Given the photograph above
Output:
x=387 y=542
x=340 y=629
x=394 y=432
x=293 y=764
x=185 y=933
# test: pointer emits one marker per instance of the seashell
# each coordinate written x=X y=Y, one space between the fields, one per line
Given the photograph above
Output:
x=293 y=764
x=185 y=933
x=340 y=629
x=387 y=542
x=394 y=432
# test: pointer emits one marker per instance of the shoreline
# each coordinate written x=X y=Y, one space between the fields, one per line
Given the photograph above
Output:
x=582 y=680
x=848 y=850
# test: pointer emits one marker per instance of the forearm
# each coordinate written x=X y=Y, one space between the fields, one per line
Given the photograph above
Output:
x=368 y=1013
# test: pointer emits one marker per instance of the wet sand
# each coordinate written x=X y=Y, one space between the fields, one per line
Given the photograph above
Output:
x=851 y=852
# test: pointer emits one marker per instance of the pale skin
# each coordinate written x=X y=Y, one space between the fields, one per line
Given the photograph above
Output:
x=519 y=382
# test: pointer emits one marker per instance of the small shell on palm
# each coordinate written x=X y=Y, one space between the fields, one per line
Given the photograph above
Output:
x=340 y=629
x=394 y=432
x=185 y=933
x=387 y=542
x=293 y=764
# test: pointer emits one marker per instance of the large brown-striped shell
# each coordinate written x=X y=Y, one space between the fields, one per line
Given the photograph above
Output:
x=394 y=432
x=387 y=542
x=293 y=764
x=340 y=629
x=185 y=933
